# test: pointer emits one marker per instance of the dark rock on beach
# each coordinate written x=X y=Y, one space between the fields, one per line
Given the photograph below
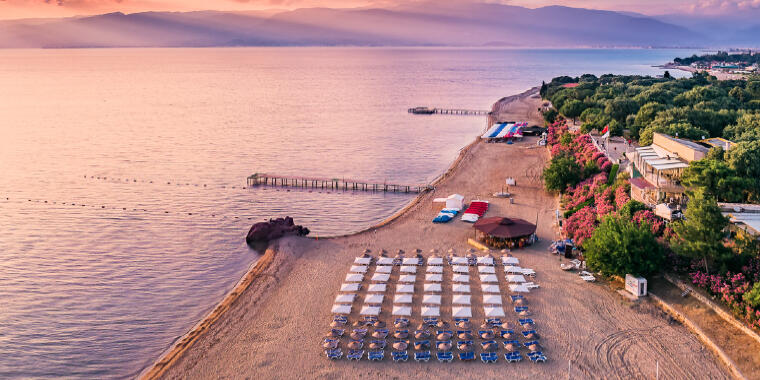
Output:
x=263 y=232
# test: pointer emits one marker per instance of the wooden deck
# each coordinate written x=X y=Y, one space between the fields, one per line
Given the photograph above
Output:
x=345 y=184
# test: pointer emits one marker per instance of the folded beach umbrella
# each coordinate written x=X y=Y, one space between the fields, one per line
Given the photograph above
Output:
x=407 y=278
x=403 y=311
x=431 y=277
x=493 y=312
x=461 y=299
x=362 y=260
x=384 y=261
x=435 y=287
x=461 y=288
x=431 y=311
x=358 y=269
x=435 y=269
x=431 y=299
x=345 y=298
x=461 y=312
x=510 y=260
x=402 y=298
x=460 y=278
x=488 y=278
x=485 y=260
x=486 y=269
x=518 y=278
x=461 y=269
x=404 y=288
x=491 y=299
x=435 y=261
x=349 y=287
x=408 y=269
x=370 y=310
x=374 y=299
x=341 y=309
x=384 y=269
x=459 y=260
x=354 y=277
x=380 y=277
x=518 y=288
x=490 y=288
x=376 y=288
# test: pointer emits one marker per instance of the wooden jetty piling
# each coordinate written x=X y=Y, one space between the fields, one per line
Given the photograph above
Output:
x=447 y=111
x=266 y=179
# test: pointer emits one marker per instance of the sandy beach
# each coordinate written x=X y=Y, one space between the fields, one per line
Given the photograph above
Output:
x=273 y=329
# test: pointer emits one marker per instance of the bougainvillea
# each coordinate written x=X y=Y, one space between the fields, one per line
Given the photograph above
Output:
x=654 y=221
x=603 y=201
x=730 y=290
x=621 y=197
x=580 y=226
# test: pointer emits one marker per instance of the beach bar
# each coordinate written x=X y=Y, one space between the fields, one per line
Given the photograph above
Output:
x=500 y=232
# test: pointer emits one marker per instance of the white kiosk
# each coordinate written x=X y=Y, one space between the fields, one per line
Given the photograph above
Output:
x=636 y=285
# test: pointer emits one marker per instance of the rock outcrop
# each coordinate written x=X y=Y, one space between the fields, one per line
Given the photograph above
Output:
x=264 y=232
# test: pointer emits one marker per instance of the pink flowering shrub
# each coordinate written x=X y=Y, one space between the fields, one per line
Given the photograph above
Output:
x=730 y=290
x=603 y=201
x=654 y=221
x=621 y=197
x=581 y=225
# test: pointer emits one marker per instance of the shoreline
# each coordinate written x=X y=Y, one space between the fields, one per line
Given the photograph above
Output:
x=177 y=349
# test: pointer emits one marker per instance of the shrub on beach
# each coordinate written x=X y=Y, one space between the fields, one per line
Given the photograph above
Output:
x=562 y=172
x=620 y=246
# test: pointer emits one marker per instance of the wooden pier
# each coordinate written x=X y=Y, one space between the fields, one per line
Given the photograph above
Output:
x=447 y=111
x=266 y=179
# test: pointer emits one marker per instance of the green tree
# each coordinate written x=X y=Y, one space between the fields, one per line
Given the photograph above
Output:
x=666 y=75
x=752 y=297
x=744 y=159
x=746 y=128
x=620 y=107
x=700 y=234
x=682 y=130
x=572 y=109
x=716 y=179
x=543 y=90
x=550 y=116
x=619 y=246
x=563 y=171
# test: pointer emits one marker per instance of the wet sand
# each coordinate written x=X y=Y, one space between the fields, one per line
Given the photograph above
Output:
x=274 y=328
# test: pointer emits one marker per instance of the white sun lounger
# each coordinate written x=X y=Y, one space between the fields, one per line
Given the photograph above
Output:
x=384 y=269
x=410 y=261
x=349 y=287
x=407 y=278
x=374 y=299
x=362 y=260
x=483 y=269
x=485 y=260
x=588 y=278
x=370 y=310
x=431 y=311
x=493 y=312
x=461 y=269
x=434 y=269
x=435 y=261
x=461 y=288
x=490 y=288
x=431 y=299
x=528 y=272
x=510 y=260
x=404 y=288
x=459 y=260
x=354 y=277
x=402 y=298
x=519 y=288
x=513 y=269
x=460 y=278
x=432 y=287
x=408 y=269
x=402 y=311
x=345 y=298
x=431 y=277
x=358 y=269
x=531 y=285
x=488 y=278
x=460 y=299
x=341 y=309
x=461 y=312
x=384 y=261
x=380 y=277
x=376 y=288
x=491 y=299
x=518 y=278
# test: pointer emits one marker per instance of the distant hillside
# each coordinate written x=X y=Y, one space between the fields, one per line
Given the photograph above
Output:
x=421 y=24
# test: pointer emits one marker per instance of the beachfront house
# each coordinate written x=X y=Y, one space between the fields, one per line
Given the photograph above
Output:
x=745 y=217
x=656 y=172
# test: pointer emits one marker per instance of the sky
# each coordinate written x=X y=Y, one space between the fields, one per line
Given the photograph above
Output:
x=13 y=9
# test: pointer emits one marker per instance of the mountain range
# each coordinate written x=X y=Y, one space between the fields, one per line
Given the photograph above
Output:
x=419 y=24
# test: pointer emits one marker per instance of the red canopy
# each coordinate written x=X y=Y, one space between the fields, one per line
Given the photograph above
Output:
x=501 y=227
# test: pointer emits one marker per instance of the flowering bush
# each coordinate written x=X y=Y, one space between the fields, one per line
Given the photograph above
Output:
x=580 y=226
x=603 y=201
x=654 y=221
x=621 y=197
x=730 y=290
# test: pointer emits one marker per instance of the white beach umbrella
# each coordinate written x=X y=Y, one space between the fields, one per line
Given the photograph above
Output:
x=408 y=269
x=345 y=298
x=431 y=311
x=358 y=269
x=380 y=277
x=518 y=288
x=435 y=261
x=461 y=312
x=493 y=312
x=341 y=309
x=362 y=260
x=460 y=278
x=349 y=287
x=485 y=260
x=410 y=261
x=404 y=288
x=431 y=277
x=488 y=278
x=402 y=298
x=491 y=299
x=510 y=260
x=461 y=269
x=433 y=269
x=374 y=299
x=482 y=269
x=384 y=269
x=512 y=269
x=370 y=310
x=431 y=299
x=354 y=277
x=384 y=261
x=460 y=299
x=432 y=288
x=376 y=288
x=460 y=288
x=490 y=288
x=402 y=311
x=518 y=278
x=459 y=261
x=407 y=278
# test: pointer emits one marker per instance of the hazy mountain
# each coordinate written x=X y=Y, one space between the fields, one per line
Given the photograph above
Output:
x=740 y=29
x=417 y=24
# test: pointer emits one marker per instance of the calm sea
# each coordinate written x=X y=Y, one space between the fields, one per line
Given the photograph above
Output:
x=122 y=212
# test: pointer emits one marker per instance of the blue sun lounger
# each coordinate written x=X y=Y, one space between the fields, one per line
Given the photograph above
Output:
x=338 y=332
x=532 y=342
x=520 y=309
x=340 y=319
x=376 y=356
x=430 y=321
x=355 y=354
x=401 y=320
x=334 y=354
x=513 y=357
x=537 y=356
x=439 y=332
x=488 y=357
x=513 y=342
x=461 y=320
x=517 y=297
x=423 y=356
x=400 y=356
x=446 y=356
x=526 y=321
x=487 y=342
x=330 y=340
x=528 y=332
x=466 y=342
x=467 y=356
x=369 y=319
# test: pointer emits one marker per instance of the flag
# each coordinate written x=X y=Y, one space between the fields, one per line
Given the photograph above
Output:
x=606 y=132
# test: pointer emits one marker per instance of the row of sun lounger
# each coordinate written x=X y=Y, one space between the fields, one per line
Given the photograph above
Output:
x=475 y=211
x=506 y=260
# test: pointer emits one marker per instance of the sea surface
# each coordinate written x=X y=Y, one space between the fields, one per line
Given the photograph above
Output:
x=122 y=171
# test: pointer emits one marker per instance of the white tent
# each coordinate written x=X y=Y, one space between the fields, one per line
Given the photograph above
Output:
x=488 y=278
x=358 y=269
x=517 y=288
x=374 y=298
x=490 y=288
x=491 y=299
x=435 y=261
x=345 y=298
x=455 y=201
x=410 y=261
x=431 y=311
x=380 y=277
x=459 y=260
x=461 y=299
x=370 y=310
x=510 y=260
x=349 y=287
x=460 y=278
x=432 y=288
x=407 y=278
x=354 y=277
x=461 y=269
x=485 y=260
x=515 y=278
x=461 y=288
x=408 y=269
x=362 y=260
x=402 y=298
x=430 y=277
x=341 y=309
x=434 y=269
x=512 y=269
x=403 y=311
x=461 y=312
x=402 y=288
x=486 y=270
x=376 y=288
x=383 y=269
x=493 y=312
x=431 y=299
x=384 y=261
